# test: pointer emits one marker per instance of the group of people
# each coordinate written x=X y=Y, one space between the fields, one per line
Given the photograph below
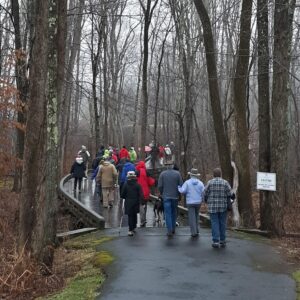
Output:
x=120 y=168
x=217 y=193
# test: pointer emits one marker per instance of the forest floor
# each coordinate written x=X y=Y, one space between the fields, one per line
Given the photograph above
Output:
x=23 y=278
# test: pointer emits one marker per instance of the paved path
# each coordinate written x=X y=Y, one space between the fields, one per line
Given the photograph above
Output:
x=149 y=266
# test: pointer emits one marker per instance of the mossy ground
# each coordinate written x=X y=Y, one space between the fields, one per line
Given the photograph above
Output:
x=296 y=276
x=86 y=282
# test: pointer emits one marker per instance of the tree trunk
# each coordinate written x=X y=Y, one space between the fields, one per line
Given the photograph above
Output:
x=148 y=12
x=33 y=185
x=222 y=142
x=22 y=86
x=66 y=104
x=239 y=99
x=283 y=14
x=264 y=162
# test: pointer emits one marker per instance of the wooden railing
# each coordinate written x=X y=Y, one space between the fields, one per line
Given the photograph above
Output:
x=85 y=215
x=205 y=219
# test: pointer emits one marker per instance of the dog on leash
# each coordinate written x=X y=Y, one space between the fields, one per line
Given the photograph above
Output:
x=158 y=210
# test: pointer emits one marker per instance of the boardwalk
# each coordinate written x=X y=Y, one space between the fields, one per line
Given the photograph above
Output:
x=113 y=216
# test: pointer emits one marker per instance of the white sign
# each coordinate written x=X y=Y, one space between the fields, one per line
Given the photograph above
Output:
x=266 y=181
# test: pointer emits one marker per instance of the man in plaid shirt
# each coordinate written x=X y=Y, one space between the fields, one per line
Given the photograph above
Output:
x=216 y=194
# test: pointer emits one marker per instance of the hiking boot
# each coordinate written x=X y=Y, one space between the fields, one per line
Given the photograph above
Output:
x=215 y=245
x=223 y=244
x=130 y=233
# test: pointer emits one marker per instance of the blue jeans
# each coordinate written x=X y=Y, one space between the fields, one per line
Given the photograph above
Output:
x=218 y=226
x=170 y=211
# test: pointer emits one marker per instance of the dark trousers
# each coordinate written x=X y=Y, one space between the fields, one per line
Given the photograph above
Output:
x=79 y=179
x=132 y=220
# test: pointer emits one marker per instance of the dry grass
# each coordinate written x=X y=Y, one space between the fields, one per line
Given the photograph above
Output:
x=20 y=276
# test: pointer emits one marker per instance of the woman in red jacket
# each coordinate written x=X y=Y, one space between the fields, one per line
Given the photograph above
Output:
x=145 y=182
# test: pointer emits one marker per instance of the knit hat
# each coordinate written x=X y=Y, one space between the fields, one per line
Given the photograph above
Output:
x=131 y=174
x=194 y=172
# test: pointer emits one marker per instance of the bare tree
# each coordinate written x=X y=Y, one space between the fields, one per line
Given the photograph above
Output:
x=222 y=141
x=148 y=13
x=240 y=82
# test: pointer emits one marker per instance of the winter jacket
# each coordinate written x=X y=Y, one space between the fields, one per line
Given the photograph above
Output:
x=168 y=183
x=144 y=180
x=107 y=175
x=124 y=153
x=133 y=195
x=193 y=189
x=128 y=166
x=132 y=155
x=78 y=168
x=85 y=155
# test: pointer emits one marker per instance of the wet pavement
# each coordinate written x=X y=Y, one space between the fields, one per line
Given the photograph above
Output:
x=151 y=266
x=114 y=216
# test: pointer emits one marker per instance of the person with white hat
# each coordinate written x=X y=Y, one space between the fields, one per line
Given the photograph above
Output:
x=193 y=189
x=133 y=195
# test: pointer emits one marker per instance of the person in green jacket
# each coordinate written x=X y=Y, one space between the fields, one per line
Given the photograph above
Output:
x=132 y=154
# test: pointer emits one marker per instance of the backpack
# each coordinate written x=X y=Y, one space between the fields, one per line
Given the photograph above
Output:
x=95 y=162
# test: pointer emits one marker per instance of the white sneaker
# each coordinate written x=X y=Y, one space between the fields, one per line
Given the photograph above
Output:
x=130 y=233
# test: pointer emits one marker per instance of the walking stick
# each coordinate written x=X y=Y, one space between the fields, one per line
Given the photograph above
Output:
x=121 y=220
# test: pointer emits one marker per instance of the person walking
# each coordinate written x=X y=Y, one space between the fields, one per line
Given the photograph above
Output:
x=128 y=166
x=132 y=155
x=85 y=154
x=124 y=153
x=107 y=178
x=133 y=195
x=145 y=181
x=193 y=189
x=216 y=193
x=168 y=183
x=78 y=172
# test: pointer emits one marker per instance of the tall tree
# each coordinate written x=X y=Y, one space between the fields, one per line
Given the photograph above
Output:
x=33 y=185
x=239 y=99
x=22 y=86
x=263 y=60
x=222 y=141
x=148 y=13
x=283 y=17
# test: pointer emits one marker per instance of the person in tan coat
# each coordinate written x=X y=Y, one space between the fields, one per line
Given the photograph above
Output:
x=107 y=178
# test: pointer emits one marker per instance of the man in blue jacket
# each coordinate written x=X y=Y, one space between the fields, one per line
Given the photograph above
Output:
x=168 y=183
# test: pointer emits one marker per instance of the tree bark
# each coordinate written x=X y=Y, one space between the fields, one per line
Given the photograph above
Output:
x=222 y=141
x=283 y=15
x=33 y=185
x=239 y=99
x=148 y=12
x=22 y=86
x=263 y=81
